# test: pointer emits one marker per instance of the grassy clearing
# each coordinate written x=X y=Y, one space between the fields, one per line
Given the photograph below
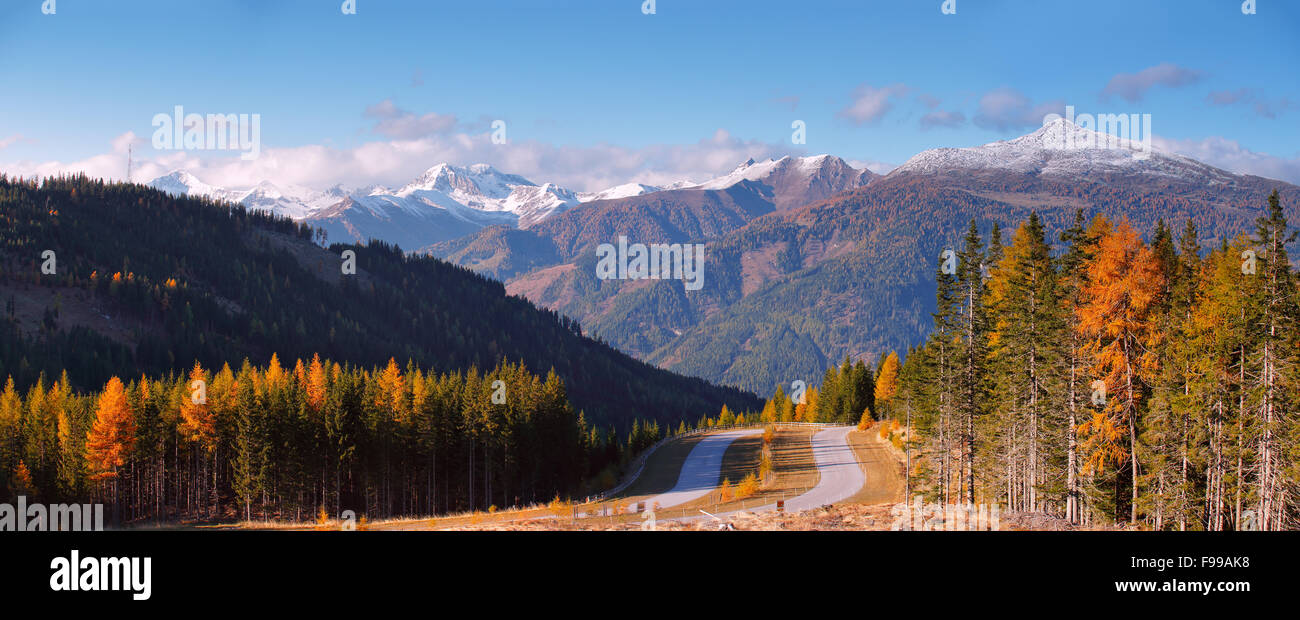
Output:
x=885 y=483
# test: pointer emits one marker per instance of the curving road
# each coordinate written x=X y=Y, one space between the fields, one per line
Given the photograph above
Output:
x=841 y=475
x=837 y=463
x=700 y=472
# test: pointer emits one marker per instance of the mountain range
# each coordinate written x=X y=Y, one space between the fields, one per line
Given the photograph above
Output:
x=850 y=272
x=447 y=202
x=809 y=260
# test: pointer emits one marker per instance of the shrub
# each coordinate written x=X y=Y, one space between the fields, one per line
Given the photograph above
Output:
x=747 y=487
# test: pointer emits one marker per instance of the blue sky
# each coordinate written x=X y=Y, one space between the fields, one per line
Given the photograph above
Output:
x=595 y=93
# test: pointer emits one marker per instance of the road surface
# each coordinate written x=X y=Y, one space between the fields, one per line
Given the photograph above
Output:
x=700 y=472
x=841 y=474
x=837 y=463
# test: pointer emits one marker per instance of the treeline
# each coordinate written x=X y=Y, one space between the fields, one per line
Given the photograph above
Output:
x=1112 y=379
x=287 y=442
x=850 y=393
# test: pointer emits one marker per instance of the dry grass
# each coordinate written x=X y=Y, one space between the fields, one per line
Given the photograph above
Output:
x=885 y=477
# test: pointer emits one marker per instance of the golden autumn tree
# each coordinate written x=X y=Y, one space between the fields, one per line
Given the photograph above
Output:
x=392 y=390
x=275 y=378
x=887 y=383
x=22 y=481
x=768 y=416
x=812 y=399
x=316 y=384
x=198 y=424
x=112 y=436
x=1121 y=296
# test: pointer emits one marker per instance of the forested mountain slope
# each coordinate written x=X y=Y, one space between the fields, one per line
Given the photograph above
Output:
x=145 y=283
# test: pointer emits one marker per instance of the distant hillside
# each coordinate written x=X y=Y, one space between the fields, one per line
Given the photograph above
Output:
x=149 y=283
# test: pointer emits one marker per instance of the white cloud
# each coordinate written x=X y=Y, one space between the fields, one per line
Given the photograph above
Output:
x=1006 y=108
x=942 y=118
x=395 y=162
x=1263 y=106
x=877 y=167
x=396 y=123
x=870 y=104
x=1133 y=86
x=1230 y=155
x=6 y=142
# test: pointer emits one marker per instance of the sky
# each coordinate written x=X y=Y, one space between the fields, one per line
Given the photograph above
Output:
x=595 y=93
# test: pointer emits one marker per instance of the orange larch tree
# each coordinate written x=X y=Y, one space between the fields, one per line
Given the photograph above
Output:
x=112 y=436
x=1121 y=295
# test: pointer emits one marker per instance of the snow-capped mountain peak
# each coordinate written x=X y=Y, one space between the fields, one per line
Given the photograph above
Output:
x=1062 y=148
x=625 y=190
x=796 y=180
x=293 y=202
x=787 y=168
x=182 y=183
x=478 y=180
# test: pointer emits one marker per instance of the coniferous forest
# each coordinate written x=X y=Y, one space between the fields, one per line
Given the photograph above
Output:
x=1109 y=379
x=284 y=442
x=140 y=357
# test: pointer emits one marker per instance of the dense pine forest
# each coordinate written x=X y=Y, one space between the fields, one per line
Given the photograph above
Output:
x=278 y=442
x=1111 y=379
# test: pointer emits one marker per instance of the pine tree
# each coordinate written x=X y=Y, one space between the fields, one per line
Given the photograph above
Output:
x=972 y=353
x=11 y=419
x=1274 y=346
x=1026 y=327
x=945 y=341
x=1170 y=433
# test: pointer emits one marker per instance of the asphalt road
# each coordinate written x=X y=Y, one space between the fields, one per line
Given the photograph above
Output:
x=701 y=471
x=837 y=463
x=841 y=474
